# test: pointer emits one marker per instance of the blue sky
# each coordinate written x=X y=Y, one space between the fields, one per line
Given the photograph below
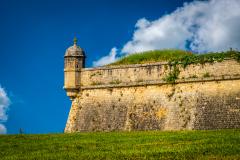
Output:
x=35 y=34
x=34 y=37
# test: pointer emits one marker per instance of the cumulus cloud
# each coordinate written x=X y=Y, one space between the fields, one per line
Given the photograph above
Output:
x=111 y=57
x=4 y=104
x=200 y=26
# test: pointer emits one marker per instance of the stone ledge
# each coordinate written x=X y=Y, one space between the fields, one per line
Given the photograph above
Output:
x=160 y=82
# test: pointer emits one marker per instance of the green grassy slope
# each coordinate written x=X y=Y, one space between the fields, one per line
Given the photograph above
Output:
x=175 y=56
x=222 y=144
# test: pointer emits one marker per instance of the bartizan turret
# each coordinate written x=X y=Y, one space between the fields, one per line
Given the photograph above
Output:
x=74 y=61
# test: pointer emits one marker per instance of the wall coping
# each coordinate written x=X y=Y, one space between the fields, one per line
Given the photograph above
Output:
x=161 y=82
x=124 y=66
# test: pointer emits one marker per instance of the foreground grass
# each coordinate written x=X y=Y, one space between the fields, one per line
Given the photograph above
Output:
x=176 y=56
x=221 y=144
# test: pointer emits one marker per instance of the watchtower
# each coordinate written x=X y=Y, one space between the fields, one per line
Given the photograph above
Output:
x=74 y=61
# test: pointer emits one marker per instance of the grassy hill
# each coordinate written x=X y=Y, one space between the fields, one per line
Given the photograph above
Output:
x=219 y=144
x=177 y=56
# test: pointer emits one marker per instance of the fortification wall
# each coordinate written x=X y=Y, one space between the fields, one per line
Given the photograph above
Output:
x=155 y=72
x=142 y=100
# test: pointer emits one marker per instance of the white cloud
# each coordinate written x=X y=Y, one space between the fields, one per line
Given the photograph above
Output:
x=200 y=25
x=4 y=104
x=111 y=57
x=3 y=129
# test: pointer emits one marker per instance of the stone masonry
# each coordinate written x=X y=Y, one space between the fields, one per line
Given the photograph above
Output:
x=136 y=97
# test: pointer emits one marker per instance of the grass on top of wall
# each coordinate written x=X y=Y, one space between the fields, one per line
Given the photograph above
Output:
x=151 y=56
x=176 y=56
x=215 y=144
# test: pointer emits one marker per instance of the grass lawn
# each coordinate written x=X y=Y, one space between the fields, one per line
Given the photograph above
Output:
x=218 y=144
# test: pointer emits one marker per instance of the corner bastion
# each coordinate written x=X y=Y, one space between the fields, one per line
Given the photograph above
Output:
x=138 y=97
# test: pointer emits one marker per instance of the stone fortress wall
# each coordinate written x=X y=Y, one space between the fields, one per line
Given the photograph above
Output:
x=137 y=97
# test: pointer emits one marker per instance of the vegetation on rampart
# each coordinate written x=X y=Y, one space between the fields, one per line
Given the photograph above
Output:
x=151 y=57
x=186 y=60
x=176 y=56
x=219 y=144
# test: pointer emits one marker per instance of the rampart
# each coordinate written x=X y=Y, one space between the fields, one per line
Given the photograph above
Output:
x=138 y=97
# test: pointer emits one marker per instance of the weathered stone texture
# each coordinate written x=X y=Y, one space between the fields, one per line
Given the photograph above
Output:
x=199 y=103
x=154 y=72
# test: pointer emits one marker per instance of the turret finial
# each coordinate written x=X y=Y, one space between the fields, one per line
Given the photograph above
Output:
x=75 y=41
